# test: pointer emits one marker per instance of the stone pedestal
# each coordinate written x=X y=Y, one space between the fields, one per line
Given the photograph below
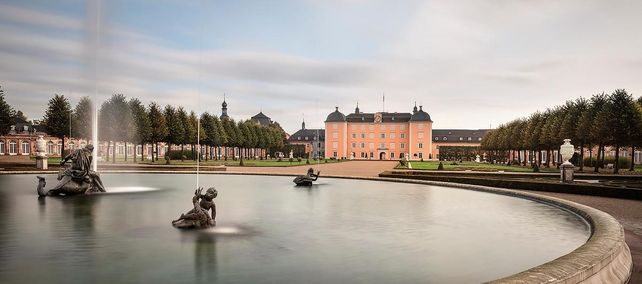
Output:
x=42 y=163
x=567 y=171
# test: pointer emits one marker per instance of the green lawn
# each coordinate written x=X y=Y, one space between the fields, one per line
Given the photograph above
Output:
x=448 y=166
x=230 y=162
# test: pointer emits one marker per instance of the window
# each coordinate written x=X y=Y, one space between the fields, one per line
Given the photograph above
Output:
x=421 y=155
x=50 y=148
x=402 y=145
x=403 y=135
x=445 y=138
x=335 y=126
x=25 y=128
x=363 y=145
x=420 y=125
x=335 y=135
x=13 y=147
x=121 y=150
x=354 y=145
x=354 y=135
x=382 y=146
x=334 y=154
x=421 y=145
x=59 y=149
x=392 y=136
x=150 y=149
x=363 y=135
x=363 y=155
x=1 y=147
x=353 y=126
x=479 y=139
x=363 y=127
x=371 y=135
x=72 y=146
x=298 y=138
x=382 y=127
x=371 y=127
x=306 y=138
x=392 y=155
x=371 y=145
x=383 y=135
x=335 y=145
x=392 y=145
x=353 y=154
x=420 y=135
x=392 y=127
x=139 y=150
x=25 y=148
x=371 y=155
x=461 y=138
x=436 y=138
x=403 y=127
x=130 y=150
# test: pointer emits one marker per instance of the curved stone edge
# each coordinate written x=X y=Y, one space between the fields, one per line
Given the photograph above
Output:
x=604 y=258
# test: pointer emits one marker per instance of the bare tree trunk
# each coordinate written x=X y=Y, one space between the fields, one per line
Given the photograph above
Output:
x=597 y=162
x=107 y=154
x=581 y=156
x=113 y=154
x=548 y=156
x=616 y=169
x=125 y=151
x=632 y=166
x=136 y=152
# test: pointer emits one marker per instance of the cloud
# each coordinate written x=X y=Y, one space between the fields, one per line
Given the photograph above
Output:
x=469 y=63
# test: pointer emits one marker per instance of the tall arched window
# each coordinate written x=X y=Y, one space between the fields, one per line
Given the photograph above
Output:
x=2 y=147
x=13 y=147
x=50 y=148
x=26 y=147
x=72 y=146
x=59 y=148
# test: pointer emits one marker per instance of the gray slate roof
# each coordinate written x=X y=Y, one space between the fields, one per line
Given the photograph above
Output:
x=454 y=135
x=311 y=134
x=336 y=116
x=262 y=119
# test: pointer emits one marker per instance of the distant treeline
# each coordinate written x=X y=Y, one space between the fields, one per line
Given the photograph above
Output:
x=130 y=121
x=603 y=120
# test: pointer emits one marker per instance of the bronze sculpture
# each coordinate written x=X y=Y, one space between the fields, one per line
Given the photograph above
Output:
x=198 y=217
x=75 y=178
x=306 y=180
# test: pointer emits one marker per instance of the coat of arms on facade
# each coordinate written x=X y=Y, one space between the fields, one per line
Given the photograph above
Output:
x=377 y=118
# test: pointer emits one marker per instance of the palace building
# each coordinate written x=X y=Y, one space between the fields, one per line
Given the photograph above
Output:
x=380 y=135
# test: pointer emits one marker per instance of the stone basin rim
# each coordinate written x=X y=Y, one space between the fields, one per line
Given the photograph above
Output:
x=604 y=258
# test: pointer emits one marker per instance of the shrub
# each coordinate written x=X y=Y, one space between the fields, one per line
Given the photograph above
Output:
x=422 y=159
x=326 y=160
x=291 y=160
x=181 y=155
x=624 y=162
x=535 y=168
x=441 y=166
x=279 y=159
x=298 y=159
x=307 y=162
x=167 y=160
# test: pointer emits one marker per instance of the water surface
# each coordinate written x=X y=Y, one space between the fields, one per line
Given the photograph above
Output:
x=338 y=231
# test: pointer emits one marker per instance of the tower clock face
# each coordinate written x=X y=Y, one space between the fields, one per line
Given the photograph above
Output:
x=377 y=118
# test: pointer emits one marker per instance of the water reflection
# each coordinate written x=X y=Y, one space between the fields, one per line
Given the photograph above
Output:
x=336 y=231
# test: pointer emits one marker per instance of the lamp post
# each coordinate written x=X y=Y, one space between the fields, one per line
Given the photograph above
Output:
x=567 y=168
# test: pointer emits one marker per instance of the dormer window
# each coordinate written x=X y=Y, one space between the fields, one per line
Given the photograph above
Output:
x=436 y=138
x=298 y=138
x=461 y=138
x=470 y=138
x=479 y=139
x=25 y=128
x=445 y=138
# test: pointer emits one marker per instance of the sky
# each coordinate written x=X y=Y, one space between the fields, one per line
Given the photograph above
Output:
x=471 y=64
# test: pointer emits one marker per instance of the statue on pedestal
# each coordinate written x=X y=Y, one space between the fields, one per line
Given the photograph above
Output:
x=77 y=178
x=308 y=178
x=198 y=217
x=567 y=168
x=41 y=154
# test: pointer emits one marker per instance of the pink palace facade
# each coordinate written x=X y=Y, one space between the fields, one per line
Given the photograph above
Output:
x=379 y=136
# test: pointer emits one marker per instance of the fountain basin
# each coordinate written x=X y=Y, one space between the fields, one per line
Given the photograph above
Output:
x=270 y=231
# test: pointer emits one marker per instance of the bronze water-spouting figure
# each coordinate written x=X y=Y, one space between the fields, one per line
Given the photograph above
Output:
x=198 y=217
x=306 y=180
x=75 y=178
